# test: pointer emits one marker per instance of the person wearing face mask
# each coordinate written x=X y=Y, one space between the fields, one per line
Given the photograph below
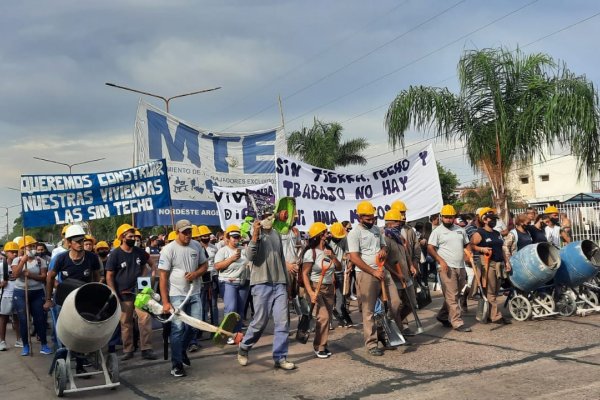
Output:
x=269 y=282
x=102 y=250
x=124 y=266
x=30 y=272
x=210 y=280
x=488 y=241
x=366 y=248
x=7 y=285
x=553 y=230
x=88 y=243
x=233 y=274
x=446 y=245
x=397 y=262
x=42 y=251
x=138 y=238
x=339 y=245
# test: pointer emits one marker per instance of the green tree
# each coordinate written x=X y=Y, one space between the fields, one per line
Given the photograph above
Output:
x=322 y=146
x=449 y=182
x=510 y=107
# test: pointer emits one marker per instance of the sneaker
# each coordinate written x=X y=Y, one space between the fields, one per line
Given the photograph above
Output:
x=25 y=351
x=81 y=370
x=242 y=357
x=87 y=363
x=192 y=348
x=353 y=298
x=321 y=354
x=329 y=353
x=444 y=322
x=149 y=355
x=186 y=360
x=463 y=328
x=18 y=343
x=178 y=371
x=376 y=351
x=127 y=356
x=45 y=349
x=408 y=332
x=503 y=321
x=3 y=346
x=285 y=364
x=230 y=341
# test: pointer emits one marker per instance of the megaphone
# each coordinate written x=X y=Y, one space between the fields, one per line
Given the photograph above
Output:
x=285 y=213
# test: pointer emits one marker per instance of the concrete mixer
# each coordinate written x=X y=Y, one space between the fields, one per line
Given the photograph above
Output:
x=532 y=267
x=87 y=320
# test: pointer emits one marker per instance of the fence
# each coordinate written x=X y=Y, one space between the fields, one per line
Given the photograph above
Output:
x=585 y=219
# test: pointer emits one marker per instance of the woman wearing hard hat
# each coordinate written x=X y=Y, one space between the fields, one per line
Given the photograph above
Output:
x=30 y=272
x=7 y=285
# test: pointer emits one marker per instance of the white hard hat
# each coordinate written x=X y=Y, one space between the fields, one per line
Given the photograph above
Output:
x=16 y=240
x=74 y=230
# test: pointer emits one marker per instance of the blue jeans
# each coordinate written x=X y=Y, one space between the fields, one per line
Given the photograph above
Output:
x=182 y=334
x=210 y=294
x=269 y=299
x=36 y=304
x=234 y=300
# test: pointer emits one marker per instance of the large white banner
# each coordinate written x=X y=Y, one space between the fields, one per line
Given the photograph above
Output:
x=199 y=159
x=232 y=202
x=330 y=196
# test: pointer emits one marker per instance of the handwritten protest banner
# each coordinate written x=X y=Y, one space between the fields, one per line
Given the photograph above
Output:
x=64 y=199
x=232 y=202
x=330 y=196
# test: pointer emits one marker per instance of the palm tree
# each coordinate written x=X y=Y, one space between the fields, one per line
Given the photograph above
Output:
x=321 y=146
x=511 y=106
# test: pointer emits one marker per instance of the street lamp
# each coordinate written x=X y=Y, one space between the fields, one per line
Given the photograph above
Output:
x=6 y=209
x=165 y=99
x=69 y=165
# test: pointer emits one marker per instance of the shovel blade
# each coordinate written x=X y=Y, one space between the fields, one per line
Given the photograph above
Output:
x=391 y=330
x=483 y=311
x=302 y=333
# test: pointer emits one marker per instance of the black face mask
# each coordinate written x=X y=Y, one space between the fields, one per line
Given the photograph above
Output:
x=368 y=225
x=555 y=221
x=205 y=241
x=492 y=223
x=103 y=253
x=448 y=224
x=130 y=242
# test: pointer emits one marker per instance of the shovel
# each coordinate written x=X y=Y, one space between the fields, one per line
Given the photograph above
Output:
x=303 y=333
x=483 y=305
x=414 y=309
x=390 y=327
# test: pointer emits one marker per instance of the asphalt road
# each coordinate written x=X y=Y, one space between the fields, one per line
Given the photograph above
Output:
x=542 y=359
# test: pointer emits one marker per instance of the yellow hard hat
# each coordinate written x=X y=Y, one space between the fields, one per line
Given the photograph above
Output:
x=88 y=238
x=27 y=241
x=448 y=211
x=137 y=233
x=399 y=205
x=485 y=210
x=316 y=228
x=551 y=210
x=337 y=230
x=204 y=231
x=124 y=228
x=116 y=243
x=365 y=208
x=172 y=236
x=394 y=214
x=64 y=230
x=231 y=229
x=195 y=231
x=102 y=245
x=11 y=246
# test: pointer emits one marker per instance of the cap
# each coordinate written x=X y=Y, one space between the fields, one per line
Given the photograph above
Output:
x=182 y=225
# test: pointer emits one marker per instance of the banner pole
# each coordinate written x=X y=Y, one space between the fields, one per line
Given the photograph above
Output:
x=281 y=114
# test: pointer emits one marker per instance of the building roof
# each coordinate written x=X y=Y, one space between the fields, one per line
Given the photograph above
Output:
x=567 y=198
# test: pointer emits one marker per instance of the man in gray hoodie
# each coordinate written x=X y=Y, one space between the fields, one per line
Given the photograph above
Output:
x=269 y=289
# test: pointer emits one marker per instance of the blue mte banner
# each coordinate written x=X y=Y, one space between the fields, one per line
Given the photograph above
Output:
x=64 y=199
x=199 y=160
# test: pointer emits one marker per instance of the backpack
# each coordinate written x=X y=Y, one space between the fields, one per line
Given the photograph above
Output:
x=301 y=282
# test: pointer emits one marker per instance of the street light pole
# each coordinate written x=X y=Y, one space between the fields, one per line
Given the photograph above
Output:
x=6 y=209
x=69 y=165
x=163 y=98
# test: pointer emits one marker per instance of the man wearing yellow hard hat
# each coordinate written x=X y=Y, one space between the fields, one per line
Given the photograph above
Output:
x=408 y=233
x=554 y=232
x=446 y=245
x=339 y=245
x=366 y=248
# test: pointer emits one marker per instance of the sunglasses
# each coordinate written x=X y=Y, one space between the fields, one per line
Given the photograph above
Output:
x=78 y=240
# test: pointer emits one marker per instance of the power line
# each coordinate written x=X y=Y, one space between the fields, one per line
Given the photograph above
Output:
x=365 y=55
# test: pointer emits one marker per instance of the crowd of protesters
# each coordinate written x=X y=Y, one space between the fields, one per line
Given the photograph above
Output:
x=262 y=270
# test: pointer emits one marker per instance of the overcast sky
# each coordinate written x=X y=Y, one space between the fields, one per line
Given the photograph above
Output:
x=338 y=60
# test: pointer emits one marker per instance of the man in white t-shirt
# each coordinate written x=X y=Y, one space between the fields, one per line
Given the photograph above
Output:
x=446 y=245
x=182 y=263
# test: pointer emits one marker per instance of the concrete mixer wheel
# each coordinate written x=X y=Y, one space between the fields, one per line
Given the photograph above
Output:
x=112 y=366
x=60 y=377
x=546 y=300
x=566 y=304
x=590 y=296
x=520 y=308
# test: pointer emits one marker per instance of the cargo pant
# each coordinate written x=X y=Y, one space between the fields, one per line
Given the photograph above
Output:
x=452 y=283
x=493 y=284
x=144 y=324
x=369 y=290
x=323 y=311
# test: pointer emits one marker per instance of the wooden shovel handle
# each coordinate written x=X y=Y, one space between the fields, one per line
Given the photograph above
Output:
x=323 y=271
x=384 y=296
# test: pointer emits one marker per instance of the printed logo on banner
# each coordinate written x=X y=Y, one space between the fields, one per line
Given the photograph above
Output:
x=232 y=203
x=64 y=199
x=330 y=196
x=198 y=161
